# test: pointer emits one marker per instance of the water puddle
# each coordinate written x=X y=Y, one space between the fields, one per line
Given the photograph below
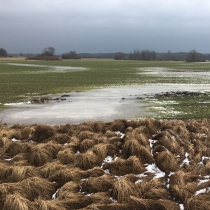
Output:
x=102 y=104
x=49 y=68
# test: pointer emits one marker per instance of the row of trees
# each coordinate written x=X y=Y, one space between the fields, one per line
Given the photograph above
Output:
x=136 y=55
x=192 y=56
x=70 y=55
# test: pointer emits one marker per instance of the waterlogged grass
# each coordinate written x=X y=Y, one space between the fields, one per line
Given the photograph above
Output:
x=180 y=107
x=22 y=82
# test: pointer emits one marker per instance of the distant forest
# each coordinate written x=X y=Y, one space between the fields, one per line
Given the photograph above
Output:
x=192 y=56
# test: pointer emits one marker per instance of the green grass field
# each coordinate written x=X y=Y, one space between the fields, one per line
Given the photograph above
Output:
x=19 y=83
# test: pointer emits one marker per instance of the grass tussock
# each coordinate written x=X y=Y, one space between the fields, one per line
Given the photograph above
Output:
x=197 y=203
x=68 y=188
x=35 y=187
x=66 y=156
x=103 y=150
x=86 y=144
x=14 y=148
x=101 y=198
x=16 y=202
x=123 y=189
x=62 y=138
x=76 y=203
x=153 y=189
x=145 y=204
x=89 y=166
x=42 y=153
x=166 y=162
x=86 y=160
x=98 y=184
x=4 y=142
x=43 y=133
x=18 y=173
x=119 y=125
x=68 y=174
x=48 y=205
x=121 y=167
x=133 y=148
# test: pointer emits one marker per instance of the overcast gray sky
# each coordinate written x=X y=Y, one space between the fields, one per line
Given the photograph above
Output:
x=105 y=26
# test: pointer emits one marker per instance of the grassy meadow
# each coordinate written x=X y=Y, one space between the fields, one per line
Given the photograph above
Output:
x=20 y=83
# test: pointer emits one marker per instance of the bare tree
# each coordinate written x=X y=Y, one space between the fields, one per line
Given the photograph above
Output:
x=194 y=56
x=3 y=52
x=49 y=51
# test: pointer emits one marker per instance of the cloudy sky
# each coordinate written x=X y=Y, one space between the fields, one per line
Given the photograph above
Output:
x=28 y=26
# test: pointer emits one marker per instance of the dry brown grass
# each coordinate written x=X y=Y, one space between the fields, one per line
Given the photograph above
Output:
x=67 y=174
x=16 y=202
x=103 y=150
x=62 y=138
x=35 y=187
x=86 y=144
x=67 y=189
x=133 y=148
x=98 y=184
x=199 y=202
x=153 y=189
x=86 y=160
x=14 y=148
x=145 y=204
x=121 y=167
x=18 y=173
x=119 y=125
x=66 y=156
x=4 y=142
x=166 y=162
x=43 y=133
x=47 y=205
x=66 y=161
x=123 y=189
x=42 y=153
x=183 y=192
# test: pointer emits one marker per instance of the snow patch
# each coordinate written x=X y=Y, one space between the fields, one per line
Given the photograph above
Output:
x=54 y=195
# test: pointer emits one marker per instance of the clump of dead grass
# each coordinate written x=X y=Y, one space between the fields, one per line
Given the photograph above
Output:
x=166 y=162
x=14 y=148
x=16 y=202
x=121 y=167
x=133 y=148
x=43 y=153
x=18 y=173
x=98 y=184
x=35 y=187
x=86 y=160
x=48 y=205
x=119 y=125
x=123 y=189
x=146 y=204
x=43 y=133
x=68 y=188
x=62 y=138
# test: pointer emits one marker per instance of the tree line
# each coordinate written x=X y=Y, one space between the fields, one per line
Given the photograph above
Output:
x=49 y=53
x=192 y=56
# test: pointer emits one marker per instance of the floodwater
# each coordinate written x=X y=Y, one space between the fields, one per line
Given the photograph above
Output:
x=102 y=104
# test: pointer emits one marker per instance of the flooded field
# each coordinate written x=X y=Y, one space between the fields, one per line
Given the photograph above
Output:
x=103 y=104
